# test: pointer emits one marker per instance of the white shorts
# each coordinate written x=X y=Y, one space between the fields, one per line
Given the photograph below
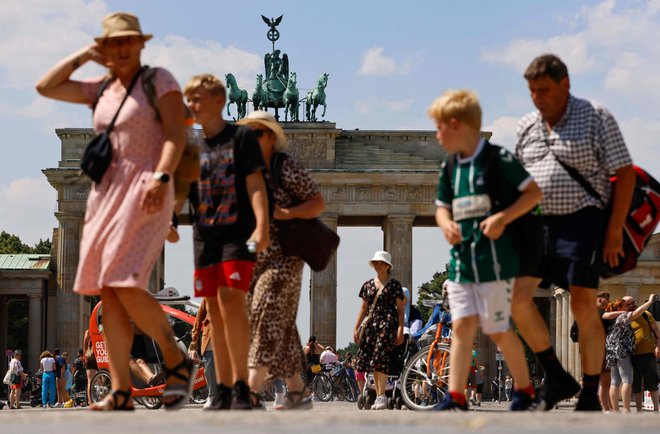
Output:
x=490 y=301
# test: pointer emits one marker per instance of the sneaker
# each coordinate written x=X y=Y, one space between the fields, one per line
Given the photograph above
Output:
x=313 y=397
x=588 y=403
x=212 y=403
x=523 y=402
x=449 y=404
x=221 y=401
x=279 y=402
x=559 y=390
x=241 y=397
x=380 y=403
x=57 y=405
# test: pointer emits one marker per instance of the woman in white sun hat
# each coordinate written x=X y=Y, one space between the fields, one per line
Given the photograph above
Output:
x=383 y=300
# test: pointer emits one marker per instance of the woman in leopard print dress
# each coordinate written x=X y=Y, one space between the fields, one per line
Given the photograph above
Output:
x=275 y=347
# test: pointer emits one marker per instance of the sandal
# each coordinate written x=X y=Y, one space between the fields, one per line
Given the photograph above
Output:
x=181 y=391
x=110 y=403
x=300 y=403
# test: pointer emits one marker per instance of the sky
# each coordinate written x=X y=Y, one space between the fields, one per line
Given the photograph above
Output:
x=386 y=62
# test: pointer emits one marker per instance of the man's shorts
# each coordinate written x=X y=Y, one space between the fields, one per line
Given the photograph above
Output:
x=490 y=301
x=573 y=249
x=644 y=371
x=226 y=274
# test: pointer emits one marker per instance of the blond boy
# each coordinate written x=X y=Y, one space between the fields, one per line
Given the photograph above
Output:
x=484 y=260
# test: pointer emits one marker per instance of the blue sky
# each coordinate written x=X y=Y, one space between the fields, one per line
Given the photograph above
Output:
x=386 y=61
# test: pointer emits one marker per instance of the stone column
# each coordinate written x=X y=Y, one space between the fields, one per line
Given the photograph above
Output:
x=323 y=299
x=69 y=324
x=399 y=243
x=35 y=339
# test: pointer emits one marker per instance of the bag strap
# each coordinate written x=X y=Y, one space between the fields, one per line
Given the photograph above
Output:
x=646 y=317
x=111 y=126
x=573 y=173
x=372 y=307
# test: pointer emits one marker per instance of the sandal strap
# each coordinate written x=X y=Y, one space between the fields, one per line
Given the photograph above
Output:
x=186 y=364
x=126 y=394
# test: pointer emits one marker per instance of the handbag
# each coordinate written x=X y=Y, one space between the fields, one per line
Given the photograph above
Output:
x=309 y=239
x=367 y=318
x=98 y=154
x=7 y=379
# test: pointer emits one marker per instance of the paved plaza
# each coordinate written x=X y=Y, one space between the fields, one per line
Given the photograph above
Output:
x=325 y=418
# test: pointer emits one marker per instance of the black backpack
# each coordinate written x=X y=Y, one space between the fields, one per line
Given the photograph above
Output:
x=527 y=230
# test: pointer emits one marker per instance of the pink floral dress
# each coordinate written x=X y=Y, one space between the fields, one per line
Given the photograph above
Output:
x=120 y=242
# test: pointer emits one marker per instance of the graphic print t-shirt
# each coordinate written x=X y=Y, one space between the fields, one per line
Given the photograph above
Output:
x=224 y=219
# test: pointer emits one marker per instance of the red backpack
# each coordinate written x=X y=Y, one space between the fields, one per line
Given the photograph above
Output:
x=641 y=221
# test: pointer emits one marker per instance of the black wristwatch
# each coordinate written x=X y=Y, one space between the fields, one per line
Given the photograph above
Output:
x=162 y=177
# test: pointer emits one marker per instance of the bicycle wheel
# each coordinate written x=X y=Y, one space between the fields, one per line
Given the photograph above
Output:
x=152 y=402
x=199 y=395
x=322 y=387
x=347 y=390
x=422 y=387
x=101 y=385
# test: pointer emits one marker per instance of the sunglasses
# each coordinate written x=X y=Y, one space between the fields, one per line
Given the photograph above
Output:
x=259 y=132
x=604 y=295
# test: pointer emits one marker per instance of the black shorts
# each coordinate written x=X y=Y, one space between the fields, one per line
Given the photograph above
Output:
x=573 y=249
x=480 y=388
x=644 y=371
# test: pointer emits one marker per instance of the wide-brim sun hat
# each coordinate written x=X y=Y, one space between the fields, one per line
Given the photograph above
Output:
x=121 y=24
x=264 y=118
x=381 y=256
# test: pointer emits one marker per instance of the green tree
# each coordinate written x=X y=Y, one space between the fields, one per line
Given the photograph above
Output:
x=12 y=244
x=431 y=290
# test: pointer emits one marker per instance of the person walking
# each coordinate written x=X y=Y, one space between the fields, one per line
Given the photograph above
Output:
x=230 y=212
x=275 y=287
x=484 y=256
x=15 y=390
x=90 y=363
x=383 y=304
x=312 y=351
x=128 y=212
x=570 y=134
x=47 y=365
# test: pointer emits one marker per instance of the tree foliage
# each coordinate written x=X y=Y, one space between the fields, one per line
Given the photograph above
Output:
x=12 y=244
x=431 y=290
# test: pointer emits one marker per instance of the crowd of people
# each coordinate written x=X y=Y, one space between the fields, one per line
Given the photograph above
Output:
x=250 y=289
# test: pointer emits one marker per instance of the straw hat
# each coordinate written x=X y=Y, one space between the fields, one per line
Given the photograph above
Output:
x=121 y=24
x=382 y=256
x=267 y=120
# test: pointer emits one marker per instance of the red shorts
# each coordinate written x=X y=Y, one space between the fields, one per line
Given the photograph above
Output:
x=226 y=274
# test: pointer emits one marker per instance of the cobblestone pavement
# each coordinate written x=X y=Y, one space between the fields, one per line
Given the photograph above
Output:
x=325 y=418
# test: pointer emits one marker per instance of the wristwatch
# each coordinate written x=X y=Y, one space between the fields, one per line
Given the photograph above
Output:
x=162 y=177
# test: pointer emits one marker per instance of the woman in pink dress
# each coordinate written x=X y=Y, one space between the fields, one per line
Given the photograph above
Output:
x=128 y=211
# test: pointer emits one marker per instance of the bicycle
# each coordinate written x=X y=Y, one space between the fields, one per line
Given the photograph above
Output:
x=340 y=386
x=425 y=377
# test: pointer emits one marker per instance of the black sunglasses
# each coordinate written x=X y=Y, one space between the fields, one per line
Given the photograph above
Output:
x=260 y=132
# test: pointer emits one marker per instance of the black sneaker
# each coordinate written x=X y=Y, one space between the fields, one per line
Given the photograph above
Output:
x=556 y=391
x=449 y=404
x=524 y=402
x=222 y=401
x=241 y=397
x=588 y=402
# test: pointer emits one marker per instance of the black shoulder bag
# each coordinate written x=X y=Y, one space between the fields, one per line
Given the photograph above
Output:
x=310 y=239
x=98 y=154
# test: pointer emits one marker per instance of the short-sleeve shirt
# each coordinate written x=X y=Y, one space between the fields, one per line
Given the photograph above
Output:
x=48 y=364
x=15 y=365
x=223 y=217
x=644 y=339
x=587 y=139
x=477 y=258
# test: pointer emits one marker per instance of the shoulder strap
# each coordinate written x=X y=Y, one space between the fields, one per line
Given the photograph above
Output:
x=492 y=175
x=646 y=317
x=276 y=163
x=99 y=92
x=573 y=173
x=149 y=87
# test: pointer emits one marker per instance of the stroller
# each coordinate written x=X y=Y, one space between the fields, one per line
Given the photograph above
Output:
x=79 y=390
x=398 y=359
x=33 y=389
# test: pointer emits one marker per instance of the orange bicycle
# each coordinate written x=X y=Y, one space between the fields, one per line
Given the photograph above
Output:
x=425 y=377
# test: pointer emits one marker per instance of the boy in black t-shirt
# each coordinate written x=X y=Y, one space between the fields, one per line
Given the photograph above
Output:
x=230 y=206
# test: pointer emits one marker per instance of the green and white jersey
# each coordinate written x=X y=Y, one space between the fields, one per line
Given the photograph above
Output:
x=477 y=258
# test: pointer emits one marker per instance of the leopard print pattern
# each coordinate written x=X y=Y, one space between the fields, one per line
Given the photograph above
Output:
x=275 y=288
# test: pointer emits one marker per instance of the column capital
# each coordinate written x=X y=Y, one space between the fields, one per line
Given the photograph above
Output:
x=400 y=218
x=69 y=216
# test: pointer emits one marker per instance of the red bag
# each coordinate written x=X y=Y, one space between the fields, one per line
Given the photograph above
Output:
x=641 y=221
